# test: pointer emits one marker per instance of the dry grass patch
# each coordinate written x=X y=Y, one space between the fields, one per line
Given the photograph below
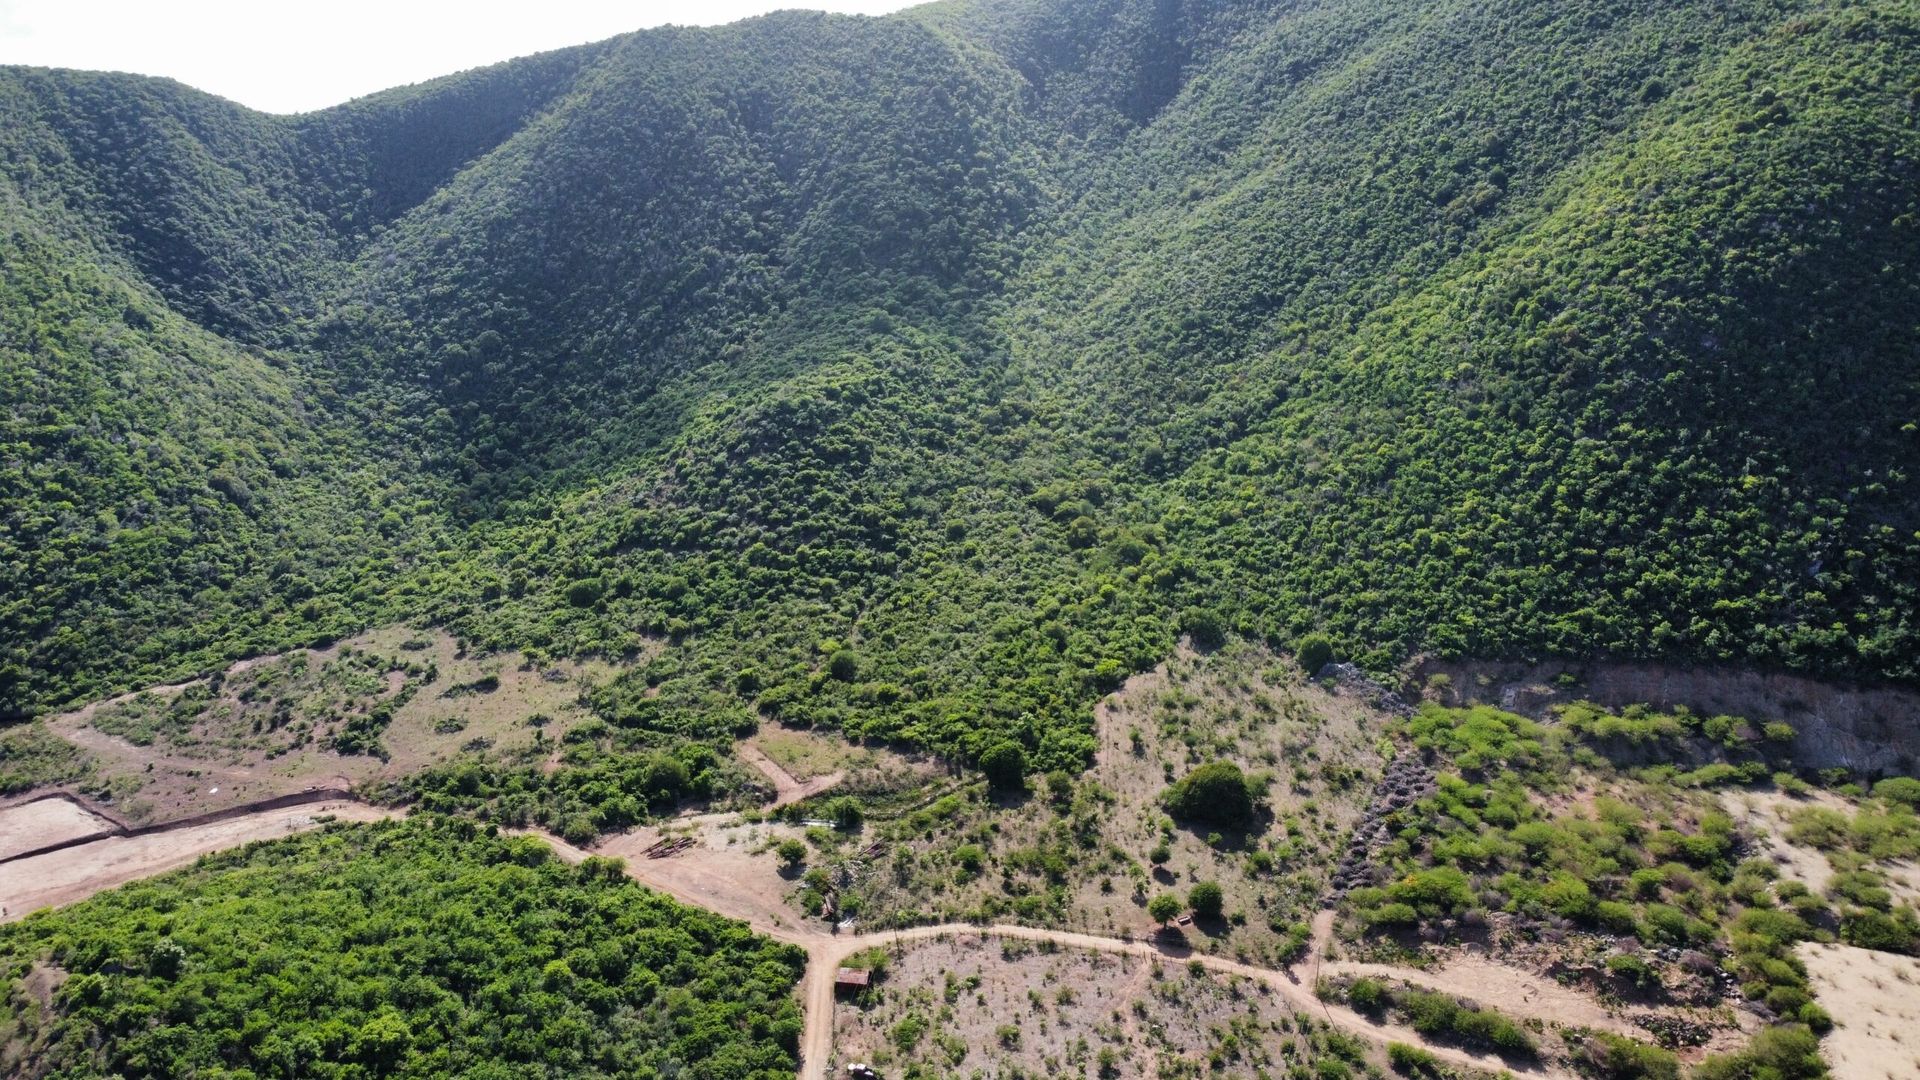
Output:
x=276 y=724
x=973 y=1006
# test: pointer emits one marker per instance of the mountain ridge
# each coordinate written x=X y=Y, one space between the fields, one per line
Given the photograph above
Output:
x=994 y=344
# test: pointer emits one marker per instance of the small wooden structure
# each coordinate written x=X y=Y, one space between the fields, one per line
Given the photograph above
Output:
x=851 y=980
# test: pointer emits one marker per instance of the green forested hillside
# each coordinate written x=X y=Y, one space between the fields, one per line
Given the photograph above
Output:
x=924 y=376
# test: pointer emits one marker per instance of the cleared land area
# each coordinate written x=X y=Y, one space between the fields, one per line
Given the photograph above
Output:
x=31 y=825
x=73 y=874
x=1875 y=1000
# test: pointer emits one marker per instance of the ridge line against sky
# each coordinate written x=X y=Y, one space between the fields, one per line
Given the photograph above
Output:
x=288 y=57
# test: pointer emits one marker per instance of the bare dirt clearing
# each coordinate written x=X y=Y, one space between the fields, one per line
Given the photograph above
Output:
x=73 y=874
x=727 y=870
x=32 y=825
x=1510 y=990
x=265 y=726
x=805 y=755
x=1875 y=1000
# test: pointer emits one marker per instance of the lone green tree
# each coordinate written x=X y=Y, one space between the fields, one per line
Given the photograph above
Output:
x=1163 y=907
x=1005 y=765
x=1313 y=652
x=1214 y=794
x=1206 y=899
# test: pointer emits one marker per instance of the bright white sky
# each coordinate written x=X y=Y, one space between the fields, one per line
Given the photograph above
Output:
x=294 y=55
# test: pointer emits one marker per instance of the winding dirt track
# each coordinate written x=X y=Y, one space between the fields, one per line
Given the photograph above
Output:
x=826 y=951
x=79 y=872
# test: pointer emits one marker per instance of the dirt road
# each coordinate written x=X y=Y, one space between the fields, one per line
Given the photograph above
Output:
x=825 y=957
x=715 y=875
x=71 y=875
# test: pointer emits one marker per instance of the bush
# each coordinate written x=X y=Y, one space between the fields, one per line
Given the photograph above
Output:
x=1313 y=652
x=844 y=665
x=1777 y=1053
x=1206 y=899
x=1368 y=995
x=1868 y=929
x=1411 y=1060
x=970 y=858
x=1904 y=790
x=1163 y=907
x=1438 y=891
x=1392 y=915
x=1005 y=765
x=1616 y=1058
x=1214 y=793
x=1438 y=1015
x=1632 y=969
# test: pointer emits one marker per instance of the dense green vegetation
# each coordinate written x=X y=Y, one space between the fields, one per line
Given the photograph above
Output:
x=1444 y=1017
x=409 y=949
x=1598 y=823
x=922 y=377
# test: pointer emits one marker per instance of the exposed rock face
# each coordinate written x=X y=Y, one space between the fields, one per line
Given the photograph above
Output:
x=1872 y=729
x=1406 y=781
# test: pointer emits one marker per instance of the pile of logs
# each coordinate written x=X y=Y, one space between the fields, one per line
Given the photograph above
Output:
x=668 y=847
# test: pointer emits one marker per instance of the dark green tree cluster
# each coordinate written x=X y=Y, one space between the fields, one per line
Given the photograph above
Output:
x=421 y=948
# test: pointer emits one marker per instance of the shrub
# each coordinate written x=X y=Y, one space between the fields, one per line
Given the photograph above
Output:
x=1776 y=1053
x=1163 y=907
x=1206 y=899
x=1632 y=969
x=1368 y=995
x=1411 y=1060
x=1904 y=790
x=1439 y=1015
x=907 y=1033
x=1216 y=793
x=1617 y=1058
x=1314 y=652
x=1440 y=890
x=1393 y=915
x=1005 y=765
x=844 y=665
x=1868 y=929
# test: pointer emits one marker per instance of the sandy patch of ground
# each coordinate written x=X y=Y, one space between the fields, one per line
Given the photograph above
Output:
x=1763 y=815
x=27 y=826
x=63 y=877
x=1875 y=1001
x=806 y=755
x=729 y=870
